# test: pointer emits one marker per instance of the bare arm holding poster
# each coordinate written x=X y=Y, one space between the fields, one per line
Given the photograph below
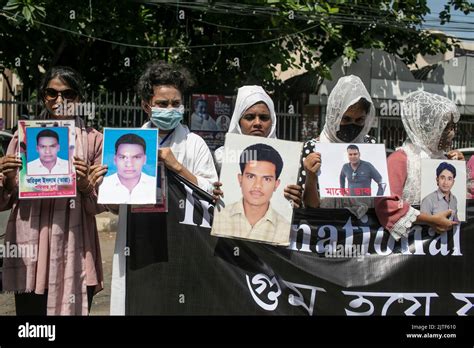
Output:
x=166 y=155
x=9 y=165
x=312 y=164
x=88 y=177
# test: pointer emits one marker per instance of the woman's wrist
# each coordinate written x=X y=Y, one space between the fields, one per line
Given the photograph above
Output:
x=425 y=218
x=86 y=189
x=178 y=168
x=311 y=178
x=9 y=183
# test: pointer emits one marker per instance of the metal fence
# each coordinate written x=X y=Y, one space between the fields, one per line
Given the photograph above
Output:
x=289 y=119
x=123 y=109
x=392 y=133
x=23 y=105
x=111 y=109
x=117 y=110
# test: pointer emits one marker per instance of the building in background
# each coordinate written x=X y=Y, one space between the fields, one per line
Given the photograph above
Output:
x=389 y=80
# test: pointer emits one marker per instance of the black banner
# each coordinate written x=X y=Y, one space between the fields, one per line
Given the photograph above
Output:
x=335 y=265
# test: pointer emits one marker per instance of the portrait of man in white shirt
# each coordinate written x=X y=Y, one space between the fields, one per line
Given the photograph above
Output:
x=48 y=162
x=253 y=217
x=129 y=185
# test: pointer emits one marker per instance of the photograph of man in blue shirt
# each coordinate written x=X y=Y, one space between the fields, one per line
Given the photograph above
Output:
x=359 y=175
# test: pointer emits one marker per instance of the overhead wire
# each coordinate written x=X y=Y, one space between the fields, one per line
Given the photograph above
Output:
x=220 y=7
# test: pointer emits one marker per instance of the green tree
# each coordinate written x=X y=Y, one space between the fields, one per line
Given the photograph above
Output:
x=224 y=44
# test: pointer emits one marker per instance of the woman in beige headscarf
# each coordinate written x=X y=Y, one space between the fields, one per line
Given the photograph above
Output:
x=64 y=269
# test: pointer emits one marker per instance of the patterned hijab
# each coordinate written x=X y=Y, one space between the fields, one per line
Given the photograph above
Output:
x=348 y=91
x=425 y=117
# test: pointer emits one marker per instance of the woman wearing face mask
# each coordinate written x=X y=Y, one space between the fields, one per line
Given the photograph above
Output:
x=254 y=114
x=161 y=89
x=62 y=231
x=349 y=116
x=430 y=122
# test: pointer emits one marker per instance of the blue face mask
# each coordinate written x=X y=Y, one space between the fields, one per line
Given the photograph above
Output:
x=166 y=119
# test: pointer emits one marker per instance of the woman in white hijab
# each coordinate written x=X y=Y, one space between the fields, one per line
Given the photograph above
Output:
x=249 y=100
x=430 y=122
x=254 y=114
x=349 y=116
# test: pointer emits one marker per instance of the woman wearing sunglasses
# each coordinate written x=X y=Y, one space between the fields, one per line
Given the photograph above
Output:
x=67 y=268
x=254 y=114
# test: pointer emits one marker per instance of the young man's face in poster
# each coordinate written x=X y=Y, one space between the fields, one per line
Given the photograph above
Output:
x=258 y=182
x=445 y=181
x=48 y=149
x=129 y=160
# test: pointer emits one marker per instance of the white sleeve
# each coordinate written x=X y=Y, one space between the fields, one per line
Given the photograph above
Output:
x=203 y=166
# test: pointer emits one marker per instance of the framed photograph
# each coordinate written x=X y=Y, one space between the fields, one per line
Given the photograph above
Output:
x=353 y=170
x=131 y=157
x=255 y=171
x=47 y=152
x=443 y=187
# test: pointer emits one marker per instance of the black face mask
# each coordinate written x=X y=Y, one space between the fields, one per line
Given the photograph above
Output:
x=349 y=132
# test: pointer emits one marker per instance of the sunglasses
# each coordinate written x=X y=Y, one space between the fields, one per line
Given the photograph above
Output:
x=262 y=117
x=52 y=94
